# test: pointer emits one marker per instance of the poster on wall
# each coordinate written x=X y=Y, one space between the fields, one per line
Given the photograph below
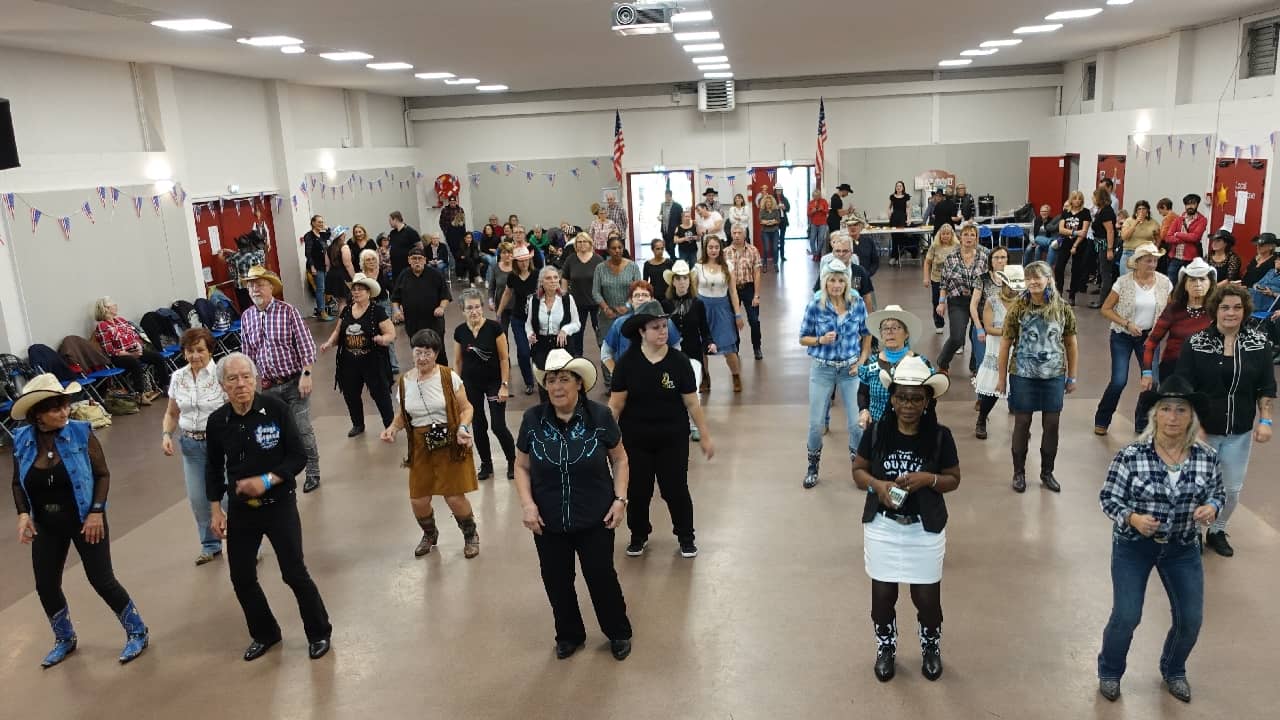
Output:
x=932 y=179
x=1236 y=201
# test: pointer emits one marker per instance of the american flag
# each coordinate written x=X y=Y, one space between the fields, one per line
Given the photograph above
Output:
x=619 y=145
x=822 y=141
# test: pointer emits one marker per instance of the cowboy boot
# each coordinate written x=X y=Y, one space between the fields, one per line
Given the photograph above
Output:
x=931 y=652
x=470 y=537
x=137 y=637
x=64 y=639
x=811 y=475
x=887 y=649
x=430 y=535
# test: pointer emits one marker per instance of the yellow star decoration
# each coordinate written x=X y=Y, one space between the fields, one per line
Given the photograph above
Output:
x=1221 y=199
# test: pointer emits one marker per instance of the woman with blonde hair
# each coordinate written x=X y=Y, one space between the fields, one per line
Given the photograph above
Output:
x=944 y=243
x=577 y=273
x=1074 y=246
x=370 y=266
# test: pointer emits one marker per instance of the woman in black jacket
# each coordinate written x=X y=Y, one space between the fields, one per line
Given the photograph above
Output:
x=1230 y=362
x=690 y=318
x=905 y=463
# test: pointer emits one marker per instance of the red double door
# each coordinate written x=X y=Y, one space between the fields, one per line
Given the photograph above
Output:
x=219 y=223
x=1237 y=194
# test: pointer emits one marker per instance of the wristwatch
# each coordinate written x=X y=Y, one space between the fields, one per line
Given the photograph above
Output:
x=622 y=500
x=306 y=373
x=464 y=427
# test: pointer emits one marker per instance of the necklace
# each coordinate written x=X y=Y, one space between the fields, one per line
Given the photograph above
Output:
x=1168 y=466
x=1195 y=312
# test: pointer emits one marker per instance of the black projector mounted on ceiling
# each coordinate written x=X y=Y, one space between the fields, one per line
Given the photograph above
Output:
x=643 y=18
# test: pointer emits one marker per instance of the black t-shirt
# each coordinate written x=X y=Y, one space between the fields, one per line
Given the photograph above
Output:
x=569 y=474
x=943 y=212
x=479 y=353
x=263 y=440
x=689 y=234
x=1075 y=221
x=910 y=453
x=833 y=215
x=655 y=391
x=355 y=338
x=898 y=218
x=420 y=295
x=402 y=241
x=520 y=292
x=1100 y=232
x=653 y=274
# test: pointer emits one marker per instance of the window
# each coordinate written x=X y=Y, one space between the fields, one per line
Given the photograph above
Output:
x=1260 y=48
x=1090 y=80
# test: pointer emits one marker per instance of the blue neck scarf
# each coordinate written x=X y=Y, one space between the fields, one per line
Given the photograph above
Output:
x=895 y=356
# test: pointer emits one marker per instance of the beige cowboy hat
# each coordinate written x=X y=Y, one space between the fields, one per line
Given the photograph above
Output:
x=1014 y=277
x=915 y=371
x=895 y=312
x=524 y=252
x=257 y=272
x=679 y=268
x=369 y=284
x=560 y=359
x=1142 y=251
x=40 y=387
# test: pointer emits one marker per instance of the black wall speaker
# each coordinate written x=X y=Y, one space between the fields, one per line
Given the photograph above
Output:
x=8 y=144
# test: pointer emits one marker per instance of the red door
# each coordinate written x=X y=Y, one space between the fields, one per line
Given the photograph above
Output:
x=1237 y=195
x=1112 y=166
x=1048 y=182
x=220 y=222
x=762 y=182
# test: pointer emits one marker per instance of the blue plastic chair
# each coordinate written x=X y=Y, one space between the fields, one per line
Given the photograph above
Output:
x=1011 y=236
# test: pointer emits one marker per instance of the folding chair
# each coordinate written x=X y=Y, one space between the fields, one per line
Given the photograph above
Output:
x=1011 y=236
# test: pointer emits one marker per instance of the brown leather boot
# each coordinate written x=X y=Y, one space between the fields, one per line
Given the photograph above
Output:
x=430 y=535
x=469 y=535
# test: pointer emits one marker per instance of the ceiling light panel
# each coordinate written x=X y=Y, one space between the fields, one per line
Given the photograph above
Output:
x=1033 y=29
x=717 y=75
x=1119 y=2
x=697 y=36
x=191 y=25
x=292 y=50
x=1000 y=43
x=270 y=41
x=717 y=66
x=389 y=66
x=434 y=75
x=954 y=63
x=1072 y=14
x=691 y=17
x=463 y=81
x=346 y=55
x=704 y=47
x=710 y=59
x=492 y=88
x=979 y=53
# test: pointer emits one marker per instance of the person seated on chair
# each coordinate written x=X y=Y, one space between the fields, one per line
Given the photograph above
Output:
x=123 y=344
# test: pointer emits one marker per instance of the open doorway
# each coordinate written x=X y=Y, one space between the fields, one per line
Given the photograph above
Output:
x=646 y=193
x=797 y=185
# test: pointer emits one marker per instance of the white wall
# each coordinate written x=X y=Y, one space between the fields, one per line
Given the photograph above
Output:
x=320 y=116
x=228 y=140
x=1140 y=73
x=386 y=120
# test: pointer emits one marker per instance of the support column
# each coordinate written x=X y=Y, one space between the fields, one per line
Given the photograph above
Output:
x=1178 y=61
x=288 y=225
x=1104 y=87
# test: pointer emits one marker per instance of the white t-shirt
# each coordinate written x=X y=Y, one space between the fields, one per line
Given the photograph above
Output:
x=424 y=401
x=1144 y=306
x=706 y=224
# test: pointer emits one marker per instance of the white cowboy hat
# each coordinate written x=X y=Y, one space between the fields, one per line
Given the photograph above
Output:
x=1142 y=251
x=524 y=252
x=914 y=371
x=257 y=272
x=40 y=387
x=1198 y=268
x=895 y=312
x=679 y=268
x=369 y=284
x=560 y=359
x=1014 y=276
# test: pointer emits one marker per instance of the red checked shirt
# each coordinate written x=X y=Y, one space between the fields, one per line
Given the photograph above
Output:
x=277 y=340
x=117 y=337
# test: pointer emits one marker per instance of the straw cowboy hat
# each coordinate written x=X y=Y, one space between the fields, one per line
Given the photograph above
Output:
x=1142 y=251
x=1014 y=277
x=914 y=371
x=679 y=268
x=894 y=312
x=369 y=284
x=560 y=359
x=649 y=310
x=40 y=387
x=257 y=272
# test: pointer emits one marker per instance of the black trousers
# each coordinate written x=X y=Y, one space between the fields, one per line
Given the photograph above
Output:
x=594 y=550
x=137 y=369
x=479 y=396
x=55 y=533
x=958 y=320
x=662 y=455
x=1082 y=264
x=279 y=523
x=358 y=373
x=413 y=324
x=746 y=292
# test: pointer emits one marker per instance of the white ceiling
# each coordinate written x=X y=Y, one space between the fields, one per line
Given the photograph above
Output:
x=533 y=45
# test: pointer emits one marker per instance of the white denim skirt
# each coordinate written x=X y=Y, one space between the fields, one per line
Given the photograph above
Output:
x=899 y=553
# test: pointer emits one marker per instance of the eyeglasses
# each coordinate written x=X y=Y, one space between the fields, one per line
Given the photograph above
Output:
x=911 y=399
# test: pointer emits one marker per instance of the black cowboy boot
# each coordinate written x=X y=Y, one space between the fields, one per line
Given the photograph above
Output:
x=886 y=650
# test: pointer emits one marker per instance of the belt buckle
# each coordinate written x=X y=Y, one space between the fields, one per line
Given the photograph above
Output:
x=1161 y=540
x=902 y=520
x=253 y=503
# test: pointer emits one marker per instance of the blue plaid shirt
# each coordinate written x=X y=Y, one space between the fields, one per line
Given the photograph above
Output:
x=1138 y=482
x=820 y=318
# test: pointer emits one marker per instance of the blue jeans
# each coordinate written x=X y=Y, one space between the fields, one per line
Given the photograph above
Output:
x=1233 y=456
x=817 y=238
x=194 y=458
x=1182 y=575
x=979 y=348
x=522 y=349
x=1040 y=248
x=391 y=349
x=823 y=380
x=772 y=242
x=321 y=306
x=1122 y=346
x=1124 y=263
x=1174 y=267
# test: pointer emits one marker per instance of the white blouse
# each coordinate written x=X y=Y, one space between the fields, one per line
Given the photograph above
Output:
x=196 y=396
x=741 y=216
x=712 y=282
x=552 y=319
x=424 y=401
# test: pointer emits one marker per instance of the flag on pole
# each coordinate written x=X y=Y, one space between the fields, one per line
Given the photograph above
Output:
x=821 y=160
x=619 y=145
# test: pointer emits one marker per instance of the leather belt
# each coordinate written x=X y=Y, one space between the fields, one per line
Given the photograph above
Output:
x=900 y=518
x=194 y=435
x=52 y=508
x=834 y=363
x=268 y=383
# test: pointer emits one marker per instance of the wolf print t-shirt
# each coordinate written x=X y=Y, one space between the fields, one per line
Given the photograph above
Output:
x=1039 y=347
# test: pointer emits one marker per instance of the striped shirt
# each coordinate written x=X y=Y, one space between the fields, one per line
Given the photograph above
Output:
x=618 y=215
x=1138 y=481
x=277 y=340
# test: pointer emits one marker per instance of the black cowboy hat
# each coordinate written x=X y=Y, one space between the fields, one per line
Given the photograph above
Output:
x=710 y=191
x=648 y=310
x=1266 y=238
x=1225 y=236
x=1176 y=387
x=845 y=187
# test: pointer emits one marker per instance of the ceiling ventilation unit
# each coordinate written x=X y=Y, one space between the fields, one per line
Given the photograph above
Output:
x=715 y=96
x=642 y=18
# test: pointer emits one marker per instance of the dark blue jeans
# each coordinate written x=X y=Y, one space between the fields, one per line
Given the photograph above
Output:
x=1123 y=345
x=1174 y=267
x=522 y=349
x=1183 y=578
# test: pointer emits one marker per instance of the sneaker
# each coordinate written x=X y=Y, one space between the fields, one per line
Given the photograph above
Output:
x=688 y=549
x=205 y=558
x=1217 y=541
x=636 y=547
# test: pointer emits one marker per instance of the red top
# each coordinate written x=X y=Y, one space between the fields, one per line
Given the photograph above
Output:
x=1184 y=237
x=1178 y=325
x=117 y=337
x=818 y=210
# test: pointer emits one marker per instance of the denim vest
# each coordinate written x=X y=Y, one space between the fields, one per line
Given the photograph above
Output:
x=72 y=443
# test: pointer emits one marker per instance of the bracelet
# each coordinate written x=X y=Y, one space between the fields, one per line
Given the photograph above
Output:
x=98 y=507
x=166 y=433
x=1265 y=421
x=935 y=481
x=1070 y=380
x=622 y=500
x=1147 y=373
x=266 y=481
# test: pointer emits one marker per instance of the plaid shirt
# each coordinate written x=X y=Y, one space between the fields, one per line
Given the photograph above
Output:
x=959 y=279
x=117 y=337
x=277 y=340
x=1137 y=482
x=240 y=261
x=744 y=264
x=618 y=215
x=820 y=318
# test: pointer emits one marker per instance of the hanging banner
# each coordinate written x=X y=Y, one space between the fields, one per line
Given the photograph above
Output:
x=155 y=204
x=35 y=219
x=102 y=196
x=64 y=224
x=8 y=204
x=137 y=206
x=87 y=209
x=115 y=196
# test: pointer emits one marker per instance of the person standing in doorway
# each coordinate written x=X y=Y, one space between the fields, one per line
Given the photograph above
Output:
x=818 y=230
x=669 y=217
x=784 y=208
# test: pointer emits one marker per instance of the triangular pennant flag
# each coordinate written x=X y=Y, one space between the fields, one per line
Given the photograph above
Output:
x=35 y=219
x=386 y=173
x=1272 y=137
x=303 y=188
x=379 y=186
x=1193 y=149
x=596 y=162
x=574 y=172
x=295 y=201
x=731 y=179
x=1170 y=139
x=552 y=177
x=155 y=203
x=510 y=167
x=115 y=196
x=322 y=188
x=1253 y=151
x=64 y=224
x=1222 y=147
x=183 y=197
x=1180 y=145
x=87 y=209
x=9 y=199
x=173 y=195
x=528 y=175
x=313 y=184
x=493 y=168
x=279 y=204
x=102 y=196
x=1158 y=154
x=137 y=206
x=1236 y=151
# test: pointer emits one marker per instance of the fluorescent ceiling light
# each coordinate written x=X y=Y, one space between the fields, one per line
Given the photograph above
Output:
x=1001 y=43
x=491 y=88
x=717 y=75
x=389 y=66
x=954 y=63
x=705 y=47
x=292 y=50
x=1073 y=14
x=434 y=75
x=697 y=36
x=979 y=53
x=717 y=66
x=693 y=16
x=710 y=59
x=1119 y=2
x=270 y=41
x=1030 y=29
x=346 y=55
x=647 y=29
x=191 y=25
x=463 y=81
